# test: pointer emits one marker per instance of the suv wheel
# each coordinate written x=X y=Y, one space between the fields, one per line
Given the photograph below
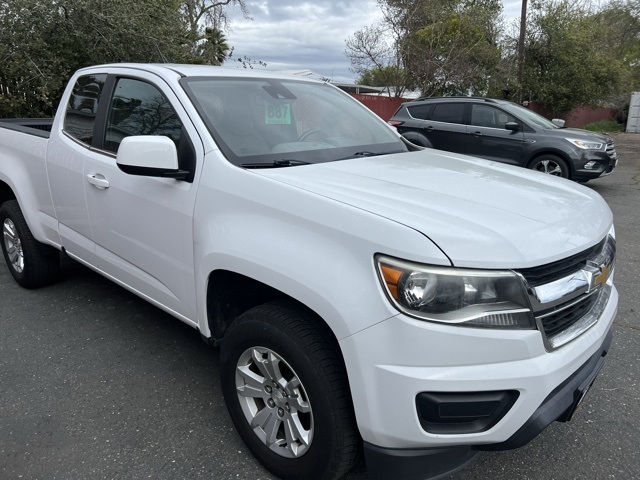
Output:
x=550 y=164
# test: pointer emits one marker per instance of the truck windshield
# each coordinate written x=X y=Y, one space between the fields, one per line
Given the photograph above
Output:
x=270 y=122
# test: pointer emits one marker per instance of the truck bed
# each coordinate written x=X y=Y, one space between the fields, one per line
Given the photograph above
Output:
x=40 y=127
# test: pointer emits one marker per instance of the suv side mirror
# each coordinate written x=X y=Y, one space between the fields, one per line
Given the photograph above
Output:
x=149 y=155
x=558 y=122
x=513 y=126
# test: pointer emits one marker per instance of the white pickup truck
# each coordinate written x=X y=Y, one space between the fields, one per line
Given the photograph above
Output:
x=421 y=305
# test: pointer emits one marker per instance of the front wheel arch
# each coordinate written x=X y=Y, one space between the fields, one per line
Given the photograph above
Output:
x=553 y=157
x=274 y=355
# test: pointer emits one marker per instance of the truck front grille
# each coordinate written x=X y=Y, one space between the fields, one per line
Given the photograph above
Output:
x=554 y=271
x=567 y=315
x=569 y=296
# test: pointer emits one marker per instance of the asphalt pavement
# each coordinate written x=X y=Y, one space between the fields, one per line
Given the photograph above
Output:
x=98 y=384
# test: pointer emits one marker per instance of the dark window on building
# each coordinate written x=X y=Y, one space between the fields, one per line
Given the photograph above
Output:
x=80 y=117
x=448 y=113
x=139 y=108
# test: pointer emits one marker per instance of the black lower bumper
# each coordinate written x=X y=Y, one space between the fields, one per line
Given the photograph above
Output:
x=559 y=404
x=415 y=464
x=433 y=463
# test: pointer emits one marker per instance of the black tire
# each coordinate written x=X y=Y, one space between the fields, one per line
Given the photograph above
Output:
x=30 y=262
x=301 y=352
x=550 y=164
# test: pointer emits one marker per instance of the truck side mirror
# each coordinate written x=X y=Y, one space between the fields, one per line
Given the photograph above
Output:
x=149 y=155
x=513 y=126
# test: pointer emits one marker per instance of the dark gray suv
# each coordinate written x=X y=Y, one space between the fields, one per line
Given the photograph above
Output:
x=505 y=132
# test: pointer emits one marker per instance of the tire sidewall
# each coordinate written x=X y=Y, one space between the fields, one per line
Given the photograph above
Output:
x=564 y=167
x=7 y=212
x=256 y=333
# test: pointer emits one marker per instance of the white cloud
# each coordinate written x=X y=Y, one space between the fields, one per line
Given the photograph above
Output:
x=298 y=35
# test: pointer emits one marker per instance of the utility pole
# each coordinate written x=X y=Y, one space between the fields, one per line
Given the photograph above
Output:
x=523 y=26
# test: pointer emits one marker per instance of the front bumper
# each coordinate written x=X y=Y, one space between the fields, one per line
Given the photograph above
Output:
x=594 y=164
x=433 y=463
x=391 y=363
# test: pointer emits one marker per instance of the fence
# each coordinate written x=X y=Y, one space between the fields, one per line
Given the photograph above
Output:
x=579 y=116
x=384 y=107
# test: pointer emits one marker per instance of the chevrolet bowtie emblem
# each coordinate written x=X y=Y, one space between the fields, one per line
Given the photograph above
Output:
x=602 y=278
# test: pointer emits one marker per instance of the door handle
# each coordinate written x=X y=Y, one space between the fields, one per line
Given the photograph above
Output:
x=98 y=181
x=429 y=128
x=476 y=134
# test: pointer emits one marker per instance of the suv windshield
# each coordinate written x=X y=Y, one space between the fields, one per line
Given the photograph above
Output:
x=531 y=117
x=262 y=121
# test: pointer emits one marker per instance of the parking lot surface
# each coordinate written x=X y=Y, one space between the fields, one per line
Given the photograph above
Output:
x=98 y=384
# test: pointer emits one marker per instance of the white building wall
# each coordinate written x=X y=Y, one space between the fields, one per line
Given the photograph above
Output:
x=633 y=122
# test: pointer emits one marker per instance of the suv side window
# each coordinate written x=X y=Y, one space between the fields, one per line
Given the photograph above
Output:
x=420 y=112
x=139 y=108
x=448 y=113
x=488 y=116
x=80 y=117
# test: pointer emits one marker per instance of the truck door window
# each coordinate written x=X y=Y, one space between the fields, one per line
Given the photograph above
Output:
x=80 y=116
x=139 y=108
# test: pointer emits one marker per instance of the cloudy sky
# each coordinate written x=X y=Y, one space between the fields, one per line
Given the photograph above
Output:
x=300 y=35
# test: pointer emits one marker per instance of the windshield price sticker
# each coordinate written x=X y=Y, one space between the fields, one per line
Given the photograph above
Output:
x=277 y=113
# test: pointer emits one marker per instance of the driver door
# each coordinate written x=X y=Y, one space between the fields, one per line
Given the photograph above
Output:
x=142 y=226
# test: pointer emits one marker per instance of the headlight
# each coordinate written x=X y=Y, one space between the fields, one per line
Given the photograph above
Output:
x=473 y=298
x=586 y=145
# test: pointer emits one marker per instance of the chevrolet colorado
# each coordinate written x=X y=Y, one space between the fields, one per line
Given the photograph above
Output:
x=419 y=305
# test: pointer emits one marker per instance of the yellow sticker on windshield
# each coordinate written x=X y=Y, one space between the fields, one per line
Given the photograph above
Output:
x=277 y=113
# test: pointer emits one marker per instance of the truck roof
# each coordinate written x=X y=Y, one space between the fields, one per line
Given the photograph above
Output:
x=185 y=70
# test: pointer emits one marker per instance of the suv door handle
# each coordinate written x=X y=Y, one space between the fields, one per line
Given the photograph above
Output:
x=476 y=134
x=98 y=181
x=429 y=128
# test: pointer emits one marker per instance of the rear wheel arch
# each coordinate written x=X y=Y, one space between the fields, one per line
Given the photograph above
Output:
x=417 y=138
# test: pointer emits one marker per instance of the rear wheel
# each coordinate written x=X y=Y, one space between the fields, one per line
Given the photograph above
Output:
x=550 y=164
x=287 y=394
x=31 y=263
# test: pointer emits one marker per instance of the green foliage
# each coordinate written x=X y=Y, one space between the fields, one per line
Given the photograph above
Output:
x=437 y=46
x=604 y=126
x=379 y=77
x=43 y=43
x=577 y=57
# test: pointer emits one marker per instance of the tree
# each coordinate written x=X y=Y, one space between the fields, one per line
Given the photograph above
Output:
x=438 y=46
x=43 y=43
x=215 y=49
x=203 y=17
x=567 y=61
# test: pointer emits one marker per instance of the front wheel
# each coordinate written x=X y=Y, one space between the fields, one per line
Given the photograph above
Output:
x=550 y=164
x=31 y=263
x=286 y=391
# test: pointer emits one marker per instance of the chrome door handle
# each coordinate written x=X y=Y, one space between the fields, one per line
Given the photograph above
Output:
x=98 y=180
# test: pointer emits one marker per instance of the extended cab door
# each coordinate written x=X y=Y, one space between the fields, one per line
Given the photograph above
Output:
x=143 y=225
x=66 y=154
x=488 y=137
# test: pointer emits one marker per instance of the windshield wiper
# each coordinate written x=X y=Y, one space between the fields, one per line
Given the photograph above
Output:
x=361 y=154
x=275 y=164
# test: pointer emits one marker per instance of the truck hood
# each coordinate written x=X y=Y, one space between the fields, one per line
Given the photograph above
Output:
x=481 y=214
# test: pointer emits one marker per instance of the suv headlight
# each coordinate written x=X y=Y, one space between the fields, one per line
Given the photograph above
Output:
x=586 y=145
x=473 y=298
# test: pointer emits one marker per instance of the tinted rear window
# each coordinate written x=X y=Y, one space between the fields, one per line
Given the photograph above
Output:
x=420 y=111
x=448 y=113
